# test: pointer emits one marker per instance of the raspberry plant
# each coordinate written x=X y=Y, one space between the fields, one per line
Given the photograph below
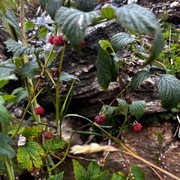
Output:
x=36 y=145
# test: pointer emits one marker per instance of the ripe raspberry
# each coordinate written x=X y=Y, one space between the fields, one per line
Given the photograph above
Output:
x=39 y=110
x=82 y=44
x=99 y=119
x=58 y=41
x=137 y=127
x=48 y=135
x=51 y=38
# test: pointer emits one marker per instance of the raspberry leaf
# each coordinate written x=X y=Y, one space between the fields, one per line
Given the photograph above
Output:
x=57 y=176
x=139 y=78
x=86 y=6
x=168 y=90
x=139 y=20
x=137 y=108
x=119 y=176
x=107 y=64
x=136 y=173
x=121 y=40
x=29 y=155
x=108 y=12
x=73 y=23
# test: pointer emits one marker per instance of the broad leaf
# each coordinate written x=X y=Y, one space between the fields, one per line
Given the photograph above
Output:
x=19 y=49
x=50 y=58
x=118 y=176
x=139 y=78
x=85 y=5
x=137 y=19
x=107 y=69
x=121 y=40
x=57 y=176
x=137 y=108
x=168 y=90
x=53 y=145
x=5 y=148
x=122 y=103
x=4 y=117
x=29 y=155
x=73 y=24
x=67 y=77
x=11 y=18
x=53 y=6
x=7 y=73
x=79 y=171
x=108 y=12
x=30 y=69
x=136 y=173
x=32 y=132
x=93 y=169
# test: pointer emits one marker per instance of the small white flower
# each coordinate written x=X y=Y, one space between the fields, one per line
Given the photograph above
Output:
x=22 y=140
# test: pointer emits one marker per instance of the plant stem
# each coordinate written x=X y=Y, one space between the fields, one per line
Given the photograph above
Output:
x=58 y=121
x=9 y=168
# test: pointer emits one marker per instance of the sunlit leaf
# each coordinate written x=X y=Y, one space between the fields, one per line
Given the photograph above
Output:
x=136 y=173
x=118 y=176
x=108 y=12
x=30 y=155
x=57 y=176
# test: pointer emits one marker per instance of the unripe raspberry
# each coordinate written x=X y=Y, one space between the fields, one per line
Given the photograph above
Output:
x=48 y=135
x=58 y=41
x=99 y=119
x=51 y=38
x=137 y=127
x=39 y=110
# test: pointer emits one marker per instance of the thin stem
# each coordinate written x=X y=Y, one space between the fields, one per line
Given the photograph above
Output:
x=58 y=89
x=9 y=168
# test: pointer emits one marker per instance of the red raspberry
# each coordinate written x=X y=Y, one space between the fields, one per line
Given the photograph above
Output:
x=82 y=44
x=39 y=110
x=51 y=38
x=99 y=119
x=48 y=135
x=58 y=40
x=137 y=127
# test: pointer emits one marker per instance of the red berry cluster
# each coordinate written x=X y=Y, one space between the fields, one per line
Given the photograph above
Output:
x=137 y=126
x=56 y=40
x=39 y=110
x=48 y=135
x=100 y=119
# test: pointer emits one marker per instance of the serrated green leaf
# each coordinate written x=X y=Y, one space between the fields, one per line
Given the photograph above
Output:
x=19 y=49
x=137 y=108
x=121 y=103
x=86 y=6
x=121 y=40
x=93 y=170
x=118 y=176
x=51 y=58
x=53 y=145
x=57 y=176
x=73 y=23
x=31 y=132
x=5 y=118
x=30 y=69
x=11 y=18
x=102 y=176
x=107 y=69
x=7 y=73
x=79 y=171
x=42 y=32
x=67 y=77
x=29 y=25
x=137 y=19
x=168 y=90
x=139 y=78
x=29 y=155
x=5 y=148
x=136 y=173
x=108 y=12
x=3 y=83
x=53 y=6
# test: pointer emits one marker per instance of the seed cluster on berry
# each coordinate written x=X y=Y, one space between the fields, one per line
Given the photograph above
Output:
x=137 y=127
